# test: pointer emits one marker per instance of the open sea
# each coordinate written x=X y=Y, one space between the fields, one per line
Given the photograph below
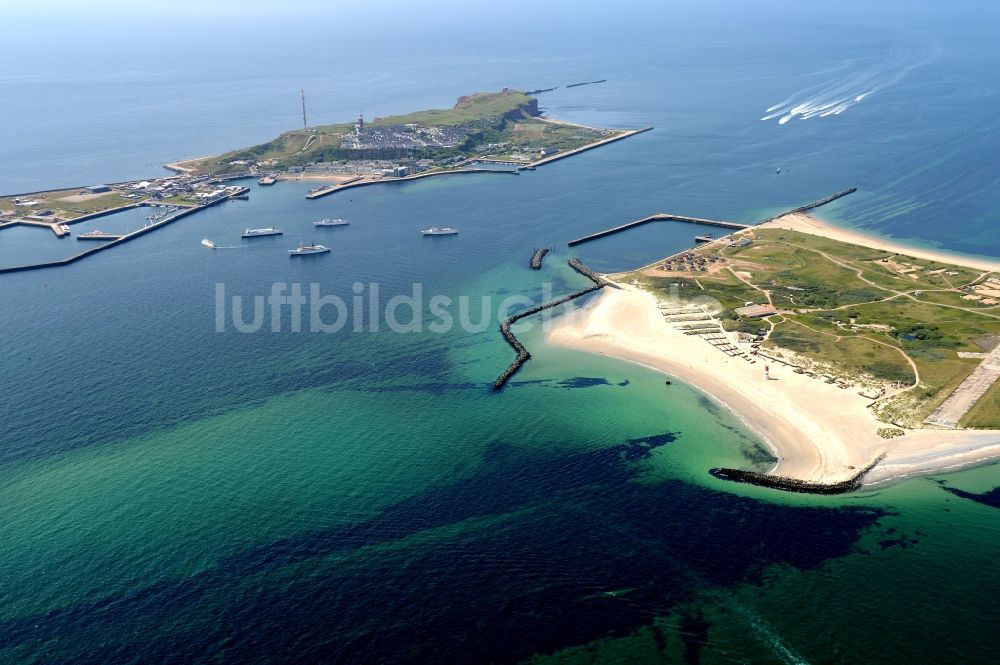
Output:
x=175 y=490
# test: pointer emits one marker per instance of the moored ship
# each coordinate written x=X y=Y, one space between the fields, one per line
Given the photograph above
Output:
x=308 y=248
x=269 y=231
x=439 y=231
x=327 y=221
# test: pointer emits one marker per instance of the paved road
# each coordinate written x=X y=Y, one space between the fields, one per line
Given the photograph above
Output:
x=967 y=393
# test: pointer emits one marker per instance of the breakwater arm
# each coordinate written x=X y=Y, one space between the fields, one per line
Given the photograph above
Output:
x=736 y=226
x=584 y=148
x=815 y=204
x=659 y=217
x=539 y=91
x=793 y=484
x=125 y=238
x=522 y=353
x=361 y=182
x=536 y=258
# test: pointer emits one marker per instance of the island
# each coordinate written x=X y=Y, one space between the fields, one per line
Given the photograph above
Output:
x=854 y=358
x=480 y=132
x=493 y=132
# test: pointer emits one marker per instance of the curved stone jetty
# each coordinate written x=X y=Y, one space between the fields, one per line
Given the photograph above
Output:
x=536 y=258
x=795 y=485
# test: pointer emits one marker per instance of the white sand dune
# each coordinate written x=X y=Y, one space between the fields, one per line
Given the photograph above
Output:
x=819 y=432
x=811 y=225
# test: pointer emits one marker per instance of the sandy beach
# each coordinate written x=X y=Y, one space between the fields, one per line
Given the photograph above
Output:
x=808 y=224
x=818 y=432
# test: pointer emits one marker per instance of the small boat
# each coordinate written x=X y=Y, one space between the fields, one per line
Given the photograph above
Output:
x=269 y=231
x=708 y=237
x=331 y=222
x=64 y=228
x=208 y=243
x=439 y=231
x=311 y=248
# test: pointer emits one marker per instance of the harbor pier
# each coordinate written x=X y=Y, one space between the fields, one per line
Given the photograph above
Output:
x=126 y=237
x=360 y=181
x=590 y=146
x=658 y=217
x=734 y=226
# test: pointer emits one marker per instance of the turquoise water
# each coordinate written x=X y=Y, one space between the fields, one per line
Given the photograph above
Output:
x=173 y=493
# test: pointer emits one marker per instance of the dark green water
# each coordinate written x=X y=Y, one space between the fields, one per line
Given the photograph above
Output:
x=170 y=493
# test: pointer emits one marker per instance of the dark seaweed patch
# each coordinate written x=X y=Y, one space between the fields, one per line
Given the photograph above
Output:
x=694 y=635
x=584 y=382
x=573 y=524
x=991 y=498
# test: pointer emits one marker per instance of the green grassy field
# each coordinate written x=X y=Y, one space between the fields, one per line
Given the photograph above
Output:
x=474 y=108
x=863 y=315
x=986 y=412
x=70 y=209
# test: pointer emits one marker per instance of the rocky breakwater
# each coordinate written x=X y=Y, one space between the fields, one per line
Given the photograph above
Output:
x=522 y=353
x=794 y=484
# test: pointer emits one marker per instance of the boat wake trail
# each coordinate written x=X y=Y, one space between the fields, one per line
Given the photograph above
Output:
x=864 y=78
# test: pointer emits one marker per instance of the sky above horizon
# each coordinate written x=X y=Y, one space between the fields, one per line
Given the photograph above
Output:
x=431 y=9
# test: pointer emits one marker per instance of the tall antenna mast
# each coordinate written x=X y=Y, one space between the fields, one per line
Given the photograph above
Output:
x=305 y=125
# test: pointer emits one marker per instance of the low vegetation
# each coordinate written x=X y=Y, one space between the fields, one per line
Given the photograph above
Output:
x=889 y=324
x=65 y=205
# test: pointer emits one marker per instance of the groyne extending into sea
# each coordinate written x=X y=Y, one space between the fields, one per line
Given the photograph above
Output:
x=809 y=206
x=522 y=353
x=795 y=485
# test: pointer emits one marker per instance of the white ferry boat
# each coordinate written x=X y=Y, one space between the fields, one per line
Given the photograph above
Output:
x=64 y=228
x=208 y=243
x=269 y=231
x=439 y=231
x=303 y=248
x=327 y=221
